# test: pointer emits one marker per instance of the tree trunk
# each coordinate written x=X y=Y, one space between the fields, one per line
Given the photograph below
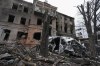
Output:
x=45 y=35
x=92 y=45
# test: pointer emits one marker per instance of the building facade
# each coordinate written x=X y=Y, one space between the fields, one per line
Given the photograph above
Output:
x=17 y=21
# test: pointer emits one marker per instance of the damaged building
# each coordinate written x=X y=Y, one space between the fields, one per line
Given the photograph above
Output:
x=18 y=21
x=65 y=25
x=14 y=19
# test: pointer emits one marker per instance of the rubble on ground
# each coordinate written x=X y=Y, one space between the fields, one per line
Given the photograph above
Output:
x=18 y=55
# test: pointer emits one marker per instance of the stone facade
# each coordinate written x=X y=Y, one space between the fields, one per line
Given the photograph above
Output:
x=65 y=25
x=18 y=19
x=14 y=18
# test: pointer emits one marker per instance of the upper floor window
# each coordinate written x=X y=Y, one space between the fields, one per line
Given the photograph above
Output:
x=15 y=6
x=71 y=28
x=29 y=21
x=57 y=26
x=26 y=9
x=23 y=21
x=11 y=18
x=65 y=27
x=39 y=21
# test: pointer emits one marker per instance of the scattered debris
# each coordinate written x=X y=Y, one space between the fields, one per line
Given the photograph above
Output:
x=18 y=55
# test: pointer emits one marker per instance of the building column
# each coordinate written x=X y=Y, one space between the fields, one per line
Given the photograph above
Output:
x=13 y=35
x=53 y=28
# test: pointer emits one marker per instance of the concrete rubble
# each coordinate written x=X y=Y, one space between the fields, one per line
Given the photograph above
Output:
x=18 y=55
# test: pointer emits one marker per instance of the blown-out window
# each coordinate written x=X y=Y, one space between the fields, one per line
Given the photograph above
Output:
x=7 y=34
x=23 y=21
x=26 y=9
x=11 y=18
x=15 y=6
x=39 y=21
x=37 y=35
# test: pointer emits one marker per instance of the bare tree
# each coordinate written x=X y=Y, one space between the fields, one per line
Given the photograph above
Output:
x=90 y=13
x=45 y=35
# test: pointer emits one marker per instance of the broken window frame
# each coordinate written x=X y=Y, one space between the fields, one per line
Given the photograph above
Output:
x=39 y=21
x=37 y=37
x=26 y=9
x=65 y=27
x=7 y=34
x=71 y=29
x=11 y=18
x=56 y=26
x=15 y=6
x=23 y=21
x=20 y=34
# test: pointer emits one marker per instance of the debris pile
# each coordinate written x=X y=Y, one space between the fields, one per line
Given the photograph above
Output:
x=16 y=54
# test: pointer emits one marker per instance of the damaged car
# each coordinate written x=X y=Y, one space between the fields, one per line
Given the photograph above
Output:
x=68 y=45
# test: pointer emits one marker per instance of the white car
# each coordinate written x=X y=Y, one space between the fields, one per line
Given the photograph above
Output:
x=60 y=44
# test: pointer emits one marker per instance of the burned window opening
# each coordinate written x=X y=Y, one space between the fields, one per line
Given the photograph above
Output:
x=50 y=21
x=39 y=21
x=7 y=33
x=20 y=34
x=23 y=21
x=26 y=9
x=71 y=29
x=65 y=28
x=57 y=26
x=29 y=21
x=37 y=36
x=15 y=6
x=11 y=18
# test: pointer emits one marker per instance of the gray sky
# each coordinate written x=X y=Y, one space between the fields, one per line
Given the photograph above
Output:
x=65 y=6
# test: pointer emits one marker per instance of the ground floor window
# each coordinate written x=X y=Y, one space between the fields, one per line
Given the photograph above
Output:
x=37 y=35
x=7 y=33
x=21 y=34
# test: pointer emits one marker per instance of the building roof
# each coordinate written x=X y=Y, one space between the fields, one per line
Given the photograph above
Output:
x=65 y=15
